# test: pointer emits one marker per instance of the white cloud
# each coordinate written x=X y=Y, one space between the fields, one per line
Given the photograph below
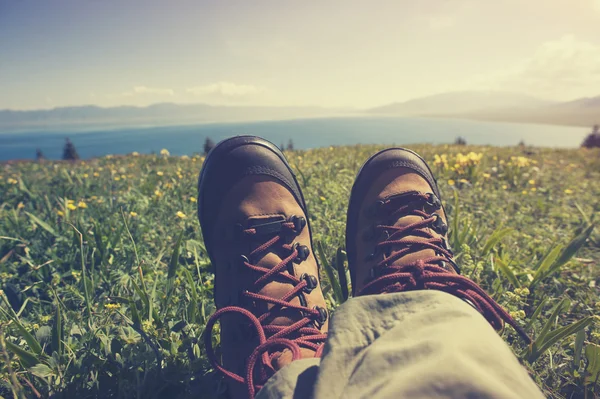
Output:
x=561 y=69
x=144 y=90
x=225 y=89
x=440 y=22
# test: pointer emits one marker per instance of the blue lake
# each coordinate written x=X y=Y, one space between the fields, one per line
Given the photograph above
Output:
x=305 y=133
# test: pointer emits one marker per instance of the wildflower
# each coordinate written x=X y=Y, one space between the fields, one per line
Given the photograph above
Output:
x=10 y=180
x=69 y=201
x=112 y=306
x=180 y=215
x=519 y=314
x=85 y=175
x=117 y=178
x=135 y=153
x=60 y=213
x=96 y=174
x=93 y=198
x=487 y=175
x=568 y=191
x=504 y=187
x=132 y=214
x=21 y=205
x=464 y=181
x=123 y=177
x=520 y=162
x=159 y=173
x=185 y=157
x=71 y=207
x=532 y=182
x=164 y=152
x=323 y=198
x=524 y=192
x=533 y=189
x=451 y=182
x=193 y=199
x=158 y=193
x=82 y=205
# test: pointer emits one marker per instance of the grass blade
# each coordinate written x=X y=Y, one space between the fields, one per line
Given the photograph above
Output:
x=27 y=358
x=333 y=281
x=508 y=273
x=494 y=239
x=42 y=224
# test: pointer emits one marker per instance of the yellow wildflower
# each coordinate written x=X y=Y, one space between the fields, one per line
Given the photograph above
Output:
x=135 y=153
x=323 y=198
x=70 y=201
x=533 y=189
x=464 y=181
x=193 y=199
x=164 y=152
x=181 y=215
x=487 y=175
x=60 y=213
x=11 y=181
x=532 y=182
x=21 y=205
x=524 y=192
x=71 y=207
x=82 y=204
x=158 y=193
x=159 y=173
x=504 y=187
x=112 y=306
x=93 y=198
x=451 y=182
x=96 y=174
x=117 y=178
x=568 y=191
x=85 y=175
x=132 y=214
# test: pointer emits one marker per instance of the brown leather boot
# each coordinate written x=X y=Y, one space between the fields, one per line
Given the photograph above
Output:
x=266 y=289
x=396 y=235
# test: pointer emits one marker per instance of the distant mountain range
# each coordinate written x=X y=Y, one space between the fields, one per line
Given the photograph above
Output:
x=91 y=116
x=494 y=106
x=498 y=106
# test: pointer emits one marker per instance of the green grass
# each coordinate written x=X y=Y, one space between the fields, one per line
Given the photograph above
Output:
x=107 y=286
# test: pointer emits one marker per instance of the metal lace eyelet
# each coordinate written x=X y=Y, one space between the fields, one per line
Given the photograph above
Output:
x=311 y=282
x=322 y=318
x=303 y=252
x=298 y=221
x=438 y=225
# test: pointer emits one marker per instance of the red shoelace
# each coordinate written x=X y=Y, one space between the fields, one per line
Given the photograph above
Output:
x=301 y=334
x=428 y=273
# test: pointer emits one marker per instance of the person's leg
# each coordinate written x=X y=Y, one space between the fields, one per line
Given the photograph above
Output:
x=255 y=227
x=417 y=344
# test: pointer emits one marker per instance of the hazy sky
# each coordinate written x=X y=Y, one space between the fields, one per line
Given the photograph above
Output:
x=288 y=52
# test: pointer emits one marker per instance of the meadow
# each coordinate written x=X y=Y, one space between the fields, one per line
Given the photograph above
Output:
x=106 y=285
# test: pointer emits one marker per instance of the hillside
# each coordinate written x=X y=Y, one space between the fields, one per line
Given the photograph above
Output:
x=108 y=285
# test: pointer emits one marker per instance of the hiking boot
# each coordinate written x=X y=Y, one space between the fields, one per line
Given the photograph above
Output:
x=257 y=234
x=396 y=235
